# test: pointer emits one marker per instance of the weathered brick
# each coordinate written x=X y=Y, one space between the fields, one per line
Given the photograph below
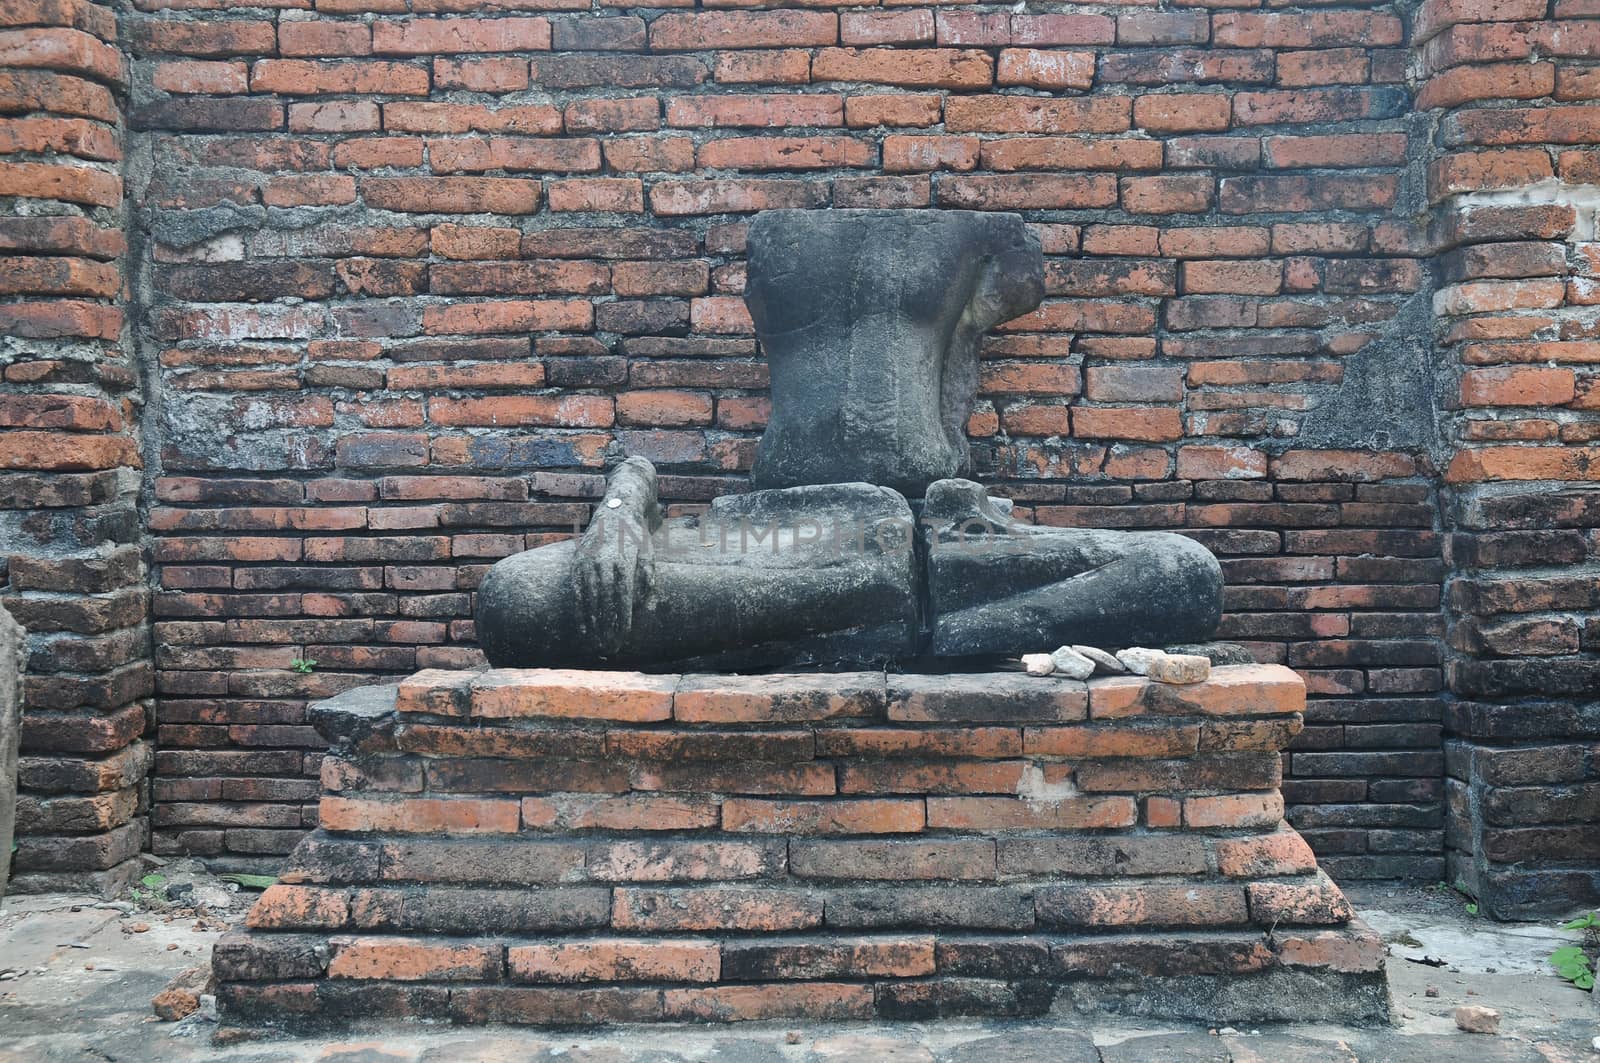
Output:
x=299 y=77
x=616 y=72
x=1030 y=813
x=616 y=960
x=1233 y=810
x=896 y=956
x=1045 y=69
x=1022 y=114
x=743 y=777
x=740 y=29
x=1289 y=902
x=913 y=859
x=755 y=110
x=946 y=68
x=862 y=816
x=1159 y=741
x=886 y=27
x=808 y=1000
x=299 y=907
x=864 y=112
x=1244 y=690
x=755 y=699
x=903 y=154
x=722 y=908
x=408 y=960
x=679 y=198
x=997 y=699
x=460 y=35
x=452 y=195
x=554 y=1005
x=624 y=813
x=466 y=911
x=243 y=957
x=1090 y=856
x=1182 y=113
x=1518 y=386
x=420 y=815
x=584 y=116
x=783 y=153
x=1142 y=905
x=674 y=860
x=513 y=693
x=789 y=66
x=1283 y=852
x=966 y=906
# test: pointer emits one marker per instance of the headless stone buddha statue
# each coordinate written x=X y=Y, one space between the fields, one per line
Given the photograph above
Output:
x=860 y=543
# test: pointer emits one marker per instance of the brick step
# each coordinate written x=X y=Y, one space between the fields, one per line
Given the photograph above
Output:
x=774 y=905
x=790 y=743
x=741 y=817
x=538 y=859
x=554 y=694
x=1037 y=778
x=578 y=847
x=607 y=979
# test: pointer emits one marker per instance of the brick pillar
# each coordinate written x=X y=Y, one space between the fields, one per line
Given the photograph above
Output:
x=1512 y=186
x=71 y=565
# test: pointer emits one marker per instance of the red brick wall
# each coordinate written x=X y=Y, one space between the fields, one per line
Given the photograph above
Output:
x=1514 y=191
x=433 y=272
x=71 y=568
x=408 y=281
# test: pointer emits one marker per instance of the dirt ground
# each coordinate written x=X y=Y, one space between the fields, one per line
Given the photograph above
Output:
x=77 y=976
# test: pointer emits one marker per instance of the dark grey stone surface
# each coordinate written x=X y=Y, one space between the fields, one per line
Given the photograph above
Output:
x=1168 y=1048
x=1276 y=995
x=765 y=579
x=1218 y=653
x=1391 y=393
x=11 y=659
x=997 y=586
x=355 y=718
x=870 y=320
x=1030 y=1046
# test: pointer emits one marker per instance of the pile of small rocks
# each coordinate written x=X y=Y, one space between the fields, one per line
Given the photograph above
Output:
x=1081 y=662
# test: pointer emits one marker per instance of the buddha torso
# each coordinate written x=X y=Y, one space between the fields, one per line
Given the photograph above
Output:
x=872 y=357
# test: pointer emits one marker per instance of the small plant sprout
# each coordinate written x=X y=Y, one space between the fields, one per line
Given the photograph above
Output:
x=303 y=665
x=1573 y=962
x=1456 y=887
x=154 y=889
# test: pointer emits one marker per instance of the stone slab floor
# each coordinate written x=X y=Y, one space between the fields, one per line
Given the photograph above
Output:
x=77 y=975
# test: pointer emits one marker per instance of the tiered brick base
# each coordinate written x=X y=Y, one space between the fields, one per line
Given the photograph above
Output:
x=590 y=847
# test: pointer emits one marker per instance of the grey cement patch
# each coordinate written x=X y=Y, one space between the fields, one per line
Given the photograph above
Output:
x=1478 y=947
x=11 y=659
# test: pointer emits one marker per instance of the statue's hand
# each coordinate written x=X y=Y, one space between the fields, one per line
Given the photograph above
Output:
x=613 y=569
x=613 y=558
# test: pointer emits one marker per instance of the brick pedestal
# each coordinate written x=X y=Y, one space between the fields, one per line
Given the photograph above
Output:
x=591 y=847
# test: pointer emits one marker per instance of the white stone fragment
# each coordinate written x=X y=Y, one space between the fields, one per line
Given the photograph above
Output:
x=1136 y=659
x=1038 y=663
x=1180 y=668
x=1072 y=664
x=1105 y=662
